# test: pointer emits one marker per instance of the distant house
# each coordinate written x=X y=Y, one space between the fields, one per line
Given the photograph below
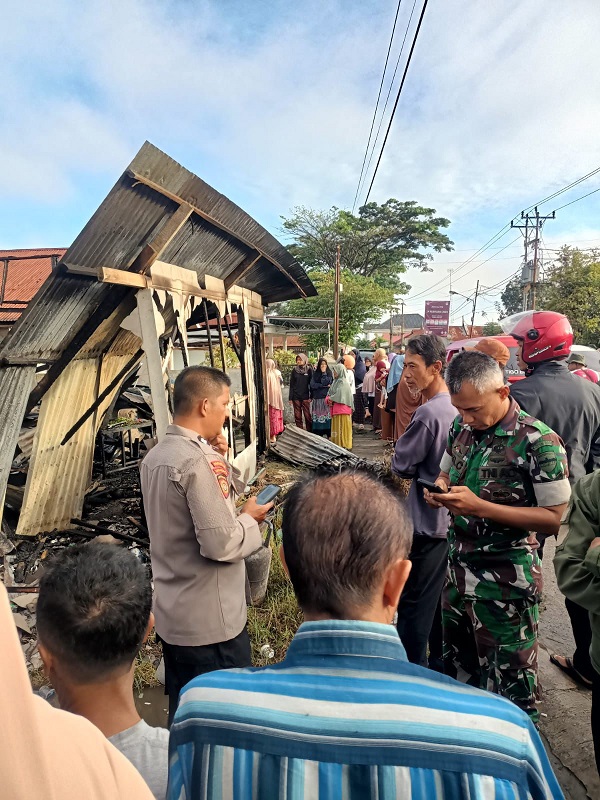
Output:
x=22 y=272
x=408 y=322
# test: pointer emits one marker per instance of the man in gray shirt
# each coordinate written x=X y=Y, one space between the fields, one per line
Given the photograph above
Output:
x=93 y=615
x=198 y=541
x=417 y=454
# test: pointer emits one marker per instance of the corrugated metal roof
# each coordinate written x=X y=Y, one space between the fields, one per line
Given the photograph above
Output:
x=306 y=449
x=27 y=271
x=16 y=384
x=59 y=474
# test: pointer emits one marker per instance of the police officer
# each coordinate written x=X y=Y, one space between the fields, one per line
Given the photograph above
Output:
x=507 y=475
x=198 y=542
x=572 y=409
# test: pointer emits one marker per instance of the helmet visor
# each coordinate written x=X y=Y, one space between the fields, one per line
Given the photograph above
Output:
x=517 y=325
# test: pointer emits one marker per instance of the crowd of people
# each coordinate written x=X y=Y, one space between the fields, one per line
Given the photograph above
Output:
x=414 y=673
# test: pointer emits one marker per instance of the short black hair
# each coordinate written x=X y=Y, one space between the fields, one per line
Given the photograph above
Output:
x=193 y=384
x=430 y=347
x=340 y=533
x=94 y=605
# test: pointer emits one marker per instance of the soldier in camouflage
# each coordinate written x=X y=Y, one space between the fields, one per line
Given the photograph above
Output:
x=505 y=478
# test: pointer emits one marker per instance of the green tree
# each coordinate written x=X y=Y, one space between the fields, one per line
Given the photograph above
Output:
x=492 y=329
x=380 y=242
x=511 y=299
x=572 y=287
x=361 y=300
x=362 y=343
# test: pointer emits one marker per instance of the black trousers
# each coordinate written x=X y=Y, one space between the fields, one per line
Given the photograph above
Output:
x=183 y=664
x=582 y=633
x=596 y=718
x=420 y=601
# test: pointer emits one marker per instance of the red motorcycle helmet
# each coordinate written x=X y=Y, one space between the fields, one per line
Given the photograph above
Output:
x=546 y=335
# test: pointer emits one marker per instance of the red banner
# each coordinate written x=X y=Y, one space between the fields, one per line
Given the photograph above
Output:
x=437 y=316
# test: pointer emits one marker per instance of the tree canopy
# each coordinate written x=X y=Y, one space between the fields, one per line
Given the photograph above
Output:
x=492 y=329
x=377 y=246
x=380 y=242
x=361 y=301
x=572 y=287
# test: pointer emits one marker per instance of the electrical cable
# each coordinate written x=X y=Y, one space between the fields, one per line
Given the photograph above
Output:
x=578 y=199
x=387 y=133
x=362 y=169
x=389 y=94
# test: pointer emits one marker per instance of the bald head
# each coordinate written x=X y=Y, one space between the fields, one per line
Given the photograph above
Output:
x=341 y=533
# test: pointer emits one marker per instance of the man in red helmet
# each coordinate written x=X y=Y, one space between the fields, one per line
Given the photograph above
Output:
x=572 y=409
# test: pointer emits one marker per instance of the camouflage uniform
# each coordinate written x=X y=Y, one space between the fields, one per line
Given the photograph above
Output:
x=490 y=606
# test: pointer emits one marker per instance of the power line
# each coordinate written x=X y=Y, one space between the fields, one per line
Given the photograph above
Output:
x=578 y=199
x=362 y=169
x=389 y=94
x=387 y=133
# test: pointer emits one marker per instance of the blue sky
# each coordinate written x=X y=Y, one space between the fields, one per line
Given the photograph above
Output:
x=271 y=102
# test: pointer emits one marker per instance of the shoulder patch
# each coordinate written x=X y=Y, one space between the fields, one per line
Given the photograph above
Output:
x=222 y=474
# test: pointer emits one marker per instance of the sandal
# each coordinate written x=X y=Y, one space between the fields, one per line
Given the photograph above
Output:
x=570 y=670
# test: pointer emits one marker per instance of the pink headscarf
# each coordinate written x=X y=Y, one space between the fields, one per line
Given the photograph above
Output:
x=274 y=396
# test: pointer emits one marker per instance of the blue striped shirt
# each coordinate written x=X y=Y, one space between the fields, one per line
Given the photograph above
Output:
x=346 y=716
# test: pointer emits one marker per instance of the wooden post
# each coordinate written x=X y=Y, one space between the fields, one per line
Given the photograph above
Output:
x=150 y=334
x=336 y=307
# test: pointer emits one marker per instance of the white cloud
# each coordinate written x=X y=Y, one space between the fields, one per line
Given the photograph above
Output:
x=501 y=106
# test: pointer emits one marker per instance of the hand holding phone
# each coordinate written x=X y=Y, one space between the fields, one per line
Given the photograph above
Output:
x=268 y=494
x=434 y=488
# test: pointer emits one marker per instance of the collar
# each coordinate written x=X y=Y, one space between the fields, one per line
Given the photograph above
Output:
x=335 y=637
x=549 y=367
x=178 y=430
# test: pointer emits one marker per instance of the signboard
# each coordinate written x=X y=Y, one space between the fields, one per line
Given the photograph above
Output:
x=437 y=316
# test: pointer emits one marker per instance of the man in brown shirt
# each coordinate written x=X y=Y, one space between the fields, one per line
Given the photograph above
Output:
x=198 y=542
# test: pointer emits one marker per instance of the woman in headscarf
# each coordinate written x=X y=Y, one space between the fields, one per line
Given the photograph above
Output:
x=360 y=371
x=275 y=400
x=319 y=387
x=300 y=391
x=407 y=403
x=368 y=387
x=342 y=403
x=382 y=366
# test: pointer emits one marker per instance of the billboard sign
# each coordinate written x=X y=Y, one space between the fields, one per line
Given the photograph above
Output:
x=437 y=316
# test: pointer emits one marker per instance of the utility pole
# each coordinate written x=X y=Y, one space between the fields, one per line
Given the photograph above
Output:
x=336 y=307
x=402 y=323
x=530 y=276
x=474 y=307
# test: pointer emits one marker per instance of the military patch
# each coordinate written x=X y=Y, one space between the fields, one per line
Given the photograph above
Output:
x=548 y=463
x=222 y=473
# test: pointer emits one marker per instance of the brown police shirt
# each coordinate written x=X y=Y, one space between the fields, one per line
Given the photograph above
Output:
x=197 y=540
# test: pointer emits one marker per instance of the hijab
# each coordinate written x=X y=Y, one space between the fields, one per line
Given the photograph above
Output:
x=381 y=368
x=50 y=753
x=368 y=385
x=341 y=391
x=360 y=368
x=302 y=369
x=274 y=396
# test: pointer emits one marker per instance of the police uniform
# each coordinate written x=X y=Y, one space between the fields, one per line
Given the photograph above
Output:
x=198 y=544
x=490 y=607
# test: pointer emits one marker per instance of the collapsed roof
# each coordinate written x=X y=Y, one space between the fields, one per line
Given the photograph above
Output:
x=158 y=215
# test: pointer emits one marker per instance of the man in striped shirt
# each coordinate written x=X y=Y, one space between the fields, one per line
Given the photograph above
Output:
x=345 y=715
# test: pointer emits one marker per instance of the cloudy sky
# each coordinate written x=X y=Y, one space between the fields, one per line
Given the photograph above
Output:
x=271 y=101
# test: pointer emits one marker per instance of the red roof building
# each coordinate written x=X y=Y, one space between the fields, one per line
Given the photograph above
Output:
x=22 y=272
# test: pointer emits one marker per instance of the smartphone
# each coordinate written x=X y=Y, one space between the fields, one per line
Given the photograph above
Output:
x=432 y=487
x=267 y=494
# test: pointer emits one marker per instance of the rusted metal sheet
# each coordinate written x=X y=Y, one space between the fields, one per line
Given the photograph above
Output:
x=15 y=385
x=59 y=475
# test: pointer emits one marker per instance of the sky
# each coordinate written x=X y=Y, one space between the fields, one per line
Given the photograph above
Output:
x=271 y=102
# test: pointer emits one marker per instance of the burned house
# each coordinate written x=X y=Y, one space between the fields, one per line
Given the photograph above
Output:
x=164 y=257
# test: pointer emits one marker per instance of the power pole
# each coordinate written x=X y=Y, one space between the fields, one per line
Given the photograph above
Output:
x=336 y=307
x=402 y=323
x=530 y=276
x=474 y=307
